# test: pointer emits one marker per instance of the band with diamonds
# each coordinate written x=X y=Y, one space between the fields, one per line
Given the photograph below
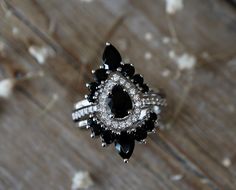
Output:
x=120 y=107
x=84 y=109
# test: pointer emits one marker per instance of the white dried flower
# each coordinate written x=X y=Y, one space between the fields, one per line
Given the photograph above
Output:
x=226 y=162
x=148 y=36
x=166 y=73
x=15 y=31
x=184 y=61
x=176 y=177
x=166 y=40
x=2 y=47
x=172 y=6
x=148 y=55
x=81 y=180
x=41 y=53
x=6 y=87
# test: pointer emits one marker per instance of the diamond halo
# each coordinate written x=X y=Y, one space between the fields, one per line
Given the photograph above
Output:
x=104 y=113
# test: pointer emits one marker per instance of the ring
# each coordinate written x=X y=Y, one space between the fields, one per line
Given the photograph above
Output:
x=120 y=107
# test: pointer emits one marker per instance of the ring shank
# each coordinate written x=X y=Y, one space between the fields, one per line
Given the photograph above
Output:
x=84 y=108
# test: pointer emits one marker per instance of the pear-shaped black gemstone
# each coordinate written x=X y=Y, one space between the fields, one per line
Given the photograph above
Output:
x=128 y=70
x=95 y=127
x=107 y=136
x=100 y=75
x=119 y=102
x=140 y=134
x=111 y=57
x=137 y=79
x=125 y=145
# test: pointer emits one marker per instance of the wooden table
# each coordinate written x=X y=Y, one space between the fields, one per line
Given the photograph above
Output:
x=191 y=54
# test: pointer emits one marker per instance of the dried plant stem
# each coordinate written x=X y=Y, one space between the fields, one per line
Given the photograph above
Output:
x=49 y=105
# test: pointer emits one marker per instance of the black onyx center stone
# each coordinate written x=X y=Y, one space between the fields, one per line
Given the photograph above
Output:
x=119 y=102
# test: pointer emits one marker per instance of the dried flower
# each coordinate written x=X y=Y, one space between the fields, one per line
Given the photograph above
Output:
x=176 y=177
x=172 y=6
x=41 y=53
x=226 y=162
x=183 y=61
x=6 y=87
x=81 y=180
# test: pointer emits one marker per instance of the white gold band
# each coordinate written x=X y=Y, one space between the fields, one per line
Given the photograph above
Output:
x=84 y=108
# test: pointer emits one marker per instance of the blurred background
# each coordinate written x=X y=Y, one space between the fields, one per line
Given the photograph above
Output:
x=47 y=51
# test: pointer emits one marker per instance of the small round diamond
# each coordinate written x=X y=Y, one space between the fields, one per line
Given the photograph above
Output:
x=116 y=77
x=136 y=97
x=137 y=110
x=132 y=91
x=127 y=85
x=122 y=81
x=138 y=104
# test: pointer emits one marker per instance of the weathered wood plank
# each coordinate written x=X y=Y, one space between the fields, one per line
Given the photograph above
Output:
x=199 y=138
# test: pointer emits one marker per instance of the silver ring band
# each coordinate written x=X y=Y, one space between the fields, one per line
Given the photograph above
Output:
x=84 y=108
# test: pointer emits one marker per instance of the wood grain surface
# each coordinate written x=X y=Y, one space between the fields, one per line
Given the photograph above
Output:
x=40 y=147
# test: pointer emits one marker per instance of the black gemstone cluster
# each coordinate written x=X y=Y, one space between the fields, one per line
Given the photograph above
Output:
x=119 y=103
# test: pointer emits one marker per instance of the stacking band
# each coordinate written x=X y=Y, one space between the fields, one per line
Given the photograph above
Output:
x=83 y=109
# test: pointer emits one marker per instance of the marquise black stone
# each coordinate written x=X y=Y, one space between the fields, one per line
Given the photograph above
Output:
x=125 y=145
x=153 y=116
x=119 y=102
x=100 y=75
x=144 y=88
x=128 y=70
x=95 y=127
x=90 y=97
x=92 y=86
x=107 y=136
x=111 y=57
x=137 y=79
x=140 y=134
x=149 y=125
